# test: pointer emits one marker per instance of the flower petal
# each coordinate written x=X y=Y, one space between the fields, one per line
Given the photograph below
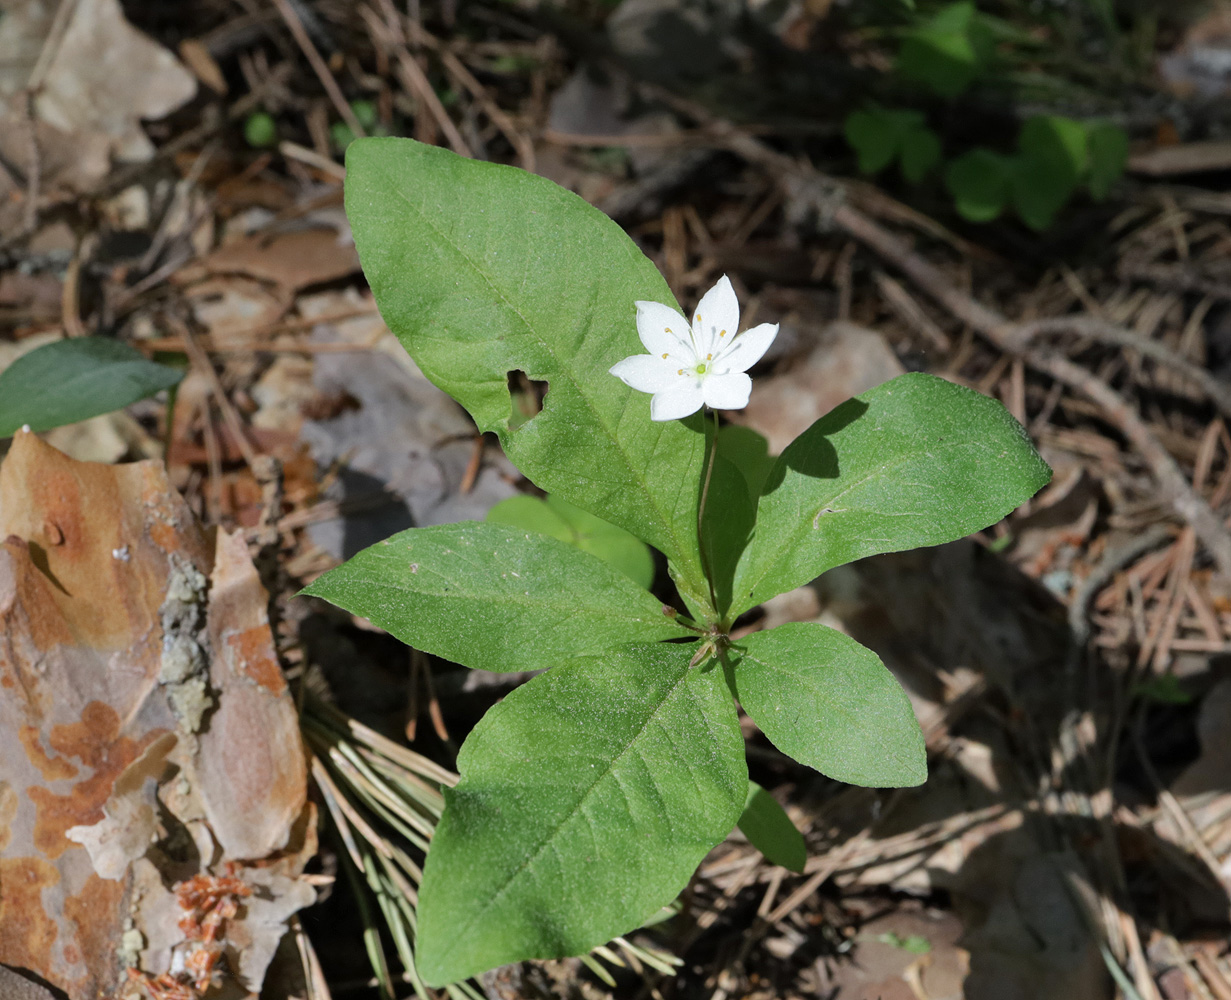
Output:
x=716 y=319
x=646 y=373
x=662 y=330
x=726 y=392
x=747 y=349
x=677 y=402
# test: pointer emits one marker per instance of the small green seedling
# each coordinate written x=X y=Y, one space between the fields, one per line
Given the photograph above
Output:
x=1056 y=156
x=75 y=379
x=590 y=794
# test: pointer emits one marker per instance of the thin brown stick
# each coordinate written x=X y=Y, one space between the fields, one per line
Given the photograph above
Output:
x=1001 y=332
x=825 y=196
x=413 y=78
x=304 y=41
x=1108 y=333
x=200 y=361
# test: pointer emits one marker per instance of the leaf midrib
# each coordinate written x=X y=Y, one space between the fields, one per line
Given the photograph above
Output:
x=567 y=373
x=550 y=836
x=779 y=552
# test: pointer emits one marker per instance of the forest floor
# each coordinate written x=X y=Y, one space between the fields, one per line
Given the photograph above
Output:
x=1069 y=666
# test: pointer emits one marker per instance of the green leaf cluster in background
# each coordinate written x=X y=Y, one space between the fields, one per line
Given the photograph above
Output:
x=589 y=795
x=948 y=51
x=75 y=379
x=1056 y=156
x=881 y=136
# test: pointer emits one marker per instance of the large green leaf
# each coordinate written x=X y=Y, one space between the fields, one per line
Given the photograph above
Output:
x=915 y=461
x=569 y=523
x=587 y=799
x=770 y=830
x=494 y=597
x=830 y=703
x=481 y=270
x=75 y=379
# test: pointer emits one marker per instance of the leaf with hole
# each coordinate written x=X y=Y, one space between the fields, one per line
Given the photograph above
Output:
x=494 y=597
x=482 y=269
x=915 y=461
x=875 y=137
x=629 y=769
x=75 y=379
x=829 y=703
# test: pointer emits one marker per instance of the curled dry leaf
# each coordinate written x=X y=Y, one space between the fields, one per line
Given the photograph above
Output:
x=153 y=816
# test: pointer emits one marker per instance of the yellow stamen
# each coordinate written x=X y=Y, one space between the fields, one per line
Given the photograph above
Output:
x=664 y=357
x=680 y=372
x=666 y=329
x=723 y=334
x=709 y=357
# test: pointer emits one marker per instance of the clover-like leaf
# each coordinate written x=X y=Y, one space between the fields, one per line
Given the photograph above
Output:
x=1046 y=171
x=629 y=768
x=979 y=183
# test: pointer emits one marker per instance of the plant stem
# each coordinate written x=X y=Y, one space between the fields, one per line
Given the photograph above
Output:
x=705 y=492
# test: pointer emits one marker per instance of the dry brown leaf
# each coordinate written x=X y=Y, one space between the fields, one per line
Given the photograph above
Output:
x=102 y=79
x=291 y=261
x=134 y=640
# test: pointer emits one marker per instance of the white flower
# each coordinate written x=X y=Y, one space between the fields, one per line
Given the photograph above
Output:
x=691 y=365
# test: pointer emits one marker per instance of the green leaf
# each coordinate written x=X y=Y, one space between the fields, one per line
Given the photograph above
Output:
x=493 y=597
x=1045 y=174
x=948 y=51
x=979 y=183
x=726 y=527
x=1058 y=142
x=1108 y=148
x=560 y=519
x=482 y=270
x=915 y=461
x=748 y=451
x=875 y=137
x=880 y=135
x=770 y=830
x=830 y=703
x=920 y=153
x=75 y=379
x=587 y=799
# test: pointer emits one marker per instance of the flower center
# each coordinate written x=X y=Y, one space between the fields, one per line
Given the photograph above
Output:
x=701 y=368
